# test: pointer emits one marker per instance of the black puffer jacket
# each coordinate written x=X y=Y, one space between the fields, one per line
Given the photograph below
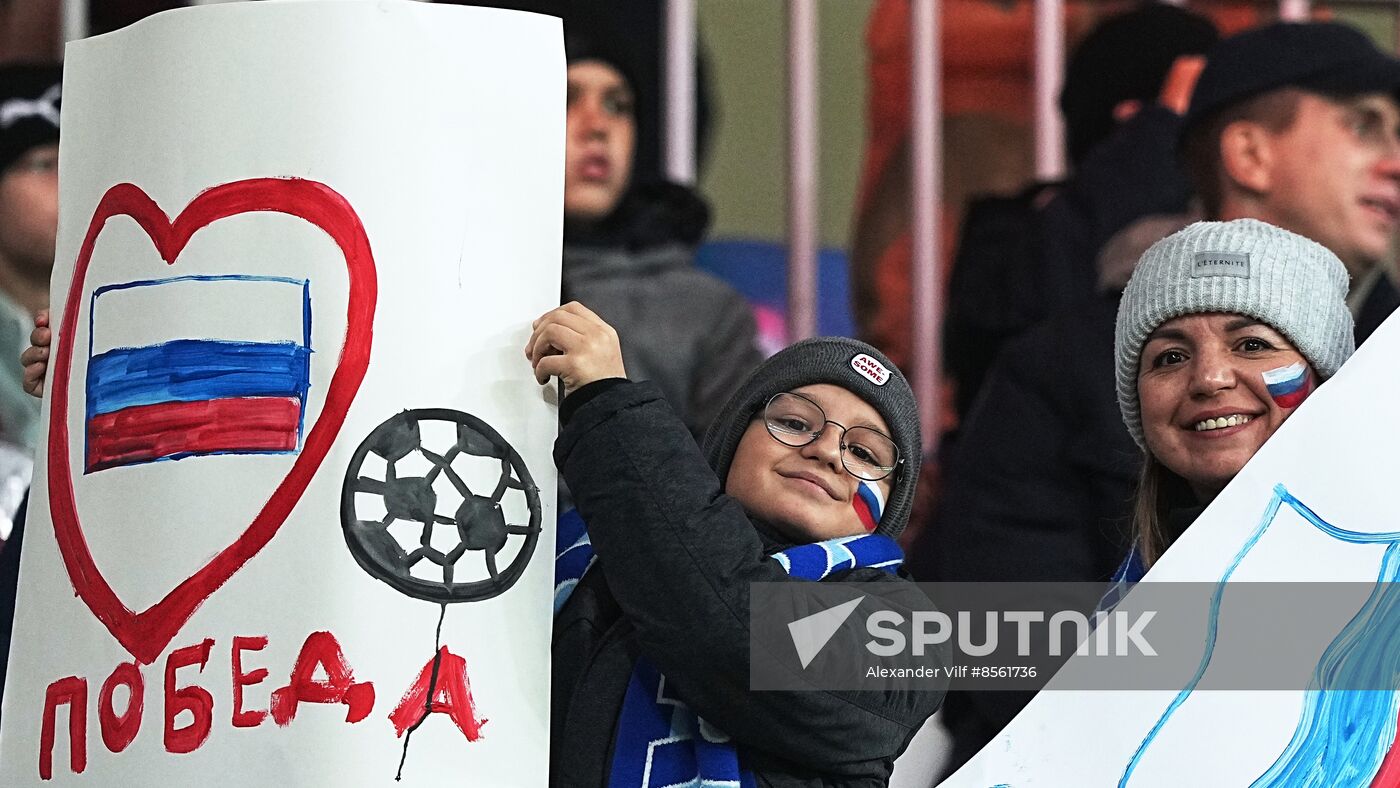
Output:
x=1039 y=487
x=685 y=330
x=675 y=561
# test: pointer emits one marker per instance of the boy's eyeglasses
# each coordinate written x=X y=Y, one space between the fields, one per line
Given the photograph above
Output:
x=796 y=421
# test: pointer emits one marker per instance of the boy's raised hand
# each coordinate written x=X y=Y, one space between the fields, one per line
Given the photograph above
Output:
x=573 y=344
x=35 y=359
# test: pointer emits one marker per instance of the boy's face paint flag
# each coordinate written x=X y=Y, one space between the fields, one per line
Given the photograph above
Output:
x=286 y=520
x=869 y=504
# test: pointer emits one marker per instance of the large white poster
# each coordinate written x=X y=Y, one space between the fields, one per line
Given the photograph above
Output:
x=290 y=522
x=1310 y=527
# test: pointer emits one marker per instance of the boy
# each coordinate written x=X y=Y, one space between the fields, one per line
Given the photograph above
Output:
x=654 y=634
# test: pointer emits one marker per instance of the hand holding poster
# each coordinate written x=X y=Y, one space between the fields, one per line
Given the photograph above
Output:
x=288 y=516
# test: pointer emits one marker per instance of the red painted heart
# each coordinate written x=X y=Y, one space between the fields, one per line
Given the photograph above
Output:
x=147 y=633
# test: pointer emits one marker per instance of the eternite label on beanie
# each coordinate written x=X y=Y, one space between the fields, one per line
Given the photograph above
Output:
x=1220 y=264
x=870 y=368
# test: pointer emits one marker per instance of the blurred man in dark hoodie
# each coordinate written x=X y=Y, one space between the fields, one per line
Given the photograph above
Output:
x=629 y=248
x=1038 y=483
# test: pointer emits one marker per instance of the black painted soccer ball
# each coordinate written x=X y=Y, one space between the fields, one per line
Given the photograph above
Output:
x=455 y=520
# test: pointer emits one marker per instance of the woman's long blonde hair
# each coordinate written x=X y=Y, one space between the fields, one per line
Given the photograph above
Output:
x=1159 y=491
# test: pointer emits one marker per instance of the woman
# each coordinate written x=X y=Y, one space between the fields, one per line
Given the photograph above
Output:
x=1223 y=331
x=629 y=248
x=654 y=634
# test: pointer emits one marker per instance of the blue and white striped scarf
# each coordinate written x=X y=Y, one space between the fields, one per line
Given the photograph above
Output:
x=660 y=741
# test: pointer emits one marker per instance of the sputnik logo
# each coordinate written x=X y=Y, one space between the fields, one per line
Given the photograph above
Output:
x=811 y=633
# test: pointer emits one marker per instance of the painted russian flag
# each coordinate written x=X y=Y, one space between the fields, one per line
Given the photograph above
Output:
x=1289 y=385
x=197 y=365
x=869 y=504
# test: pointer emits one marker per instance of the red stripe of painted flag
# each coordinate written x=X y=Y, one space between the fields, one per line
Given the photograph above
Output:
x=1293 y=398
x=150 y=432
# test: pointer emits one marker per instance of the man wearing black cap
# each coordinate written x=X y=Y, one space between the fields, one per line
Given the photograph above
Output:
x=29 y=103
x=1299 y=125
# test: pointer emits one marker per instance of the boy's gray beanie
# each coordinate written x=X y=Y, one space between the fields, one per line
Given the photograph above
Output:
x=1244 y=267
x=840 y=361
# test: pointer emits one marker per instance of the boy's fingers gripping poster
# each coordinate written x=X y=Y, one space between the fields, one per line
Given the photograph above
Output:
x=286 y=522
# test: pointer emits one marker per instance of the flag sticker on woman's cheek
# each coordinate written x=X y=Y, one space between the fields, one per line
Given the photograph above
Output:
x=869 y=504
x=1290 y=385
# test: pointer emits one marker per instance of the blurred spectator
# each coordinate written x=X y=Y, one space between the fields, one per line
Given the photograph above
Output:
x=987 y=98
x=1024 y=258
x=628 y=249
x=636 y=30
x=29 y=107
x=9 y=586
x=1296 y=124
x=31 y=30
x=987 y=139
x=998 y=284
x=1038 y=480
x=29 y=112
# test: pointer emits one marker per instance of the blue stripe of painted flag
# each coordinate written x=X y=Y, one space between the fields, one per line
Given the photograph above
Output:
x=193 y=370
x=1277 y=384
x=1287 y=386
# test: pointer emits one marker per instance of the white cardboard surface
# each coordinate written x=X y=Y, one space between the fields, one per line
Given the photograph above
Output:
x=442 y=128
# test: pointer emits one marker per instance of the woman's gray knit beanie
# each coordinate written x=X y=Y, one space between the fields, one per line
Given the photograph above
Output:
x=1244 y=267
x=841 y=361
